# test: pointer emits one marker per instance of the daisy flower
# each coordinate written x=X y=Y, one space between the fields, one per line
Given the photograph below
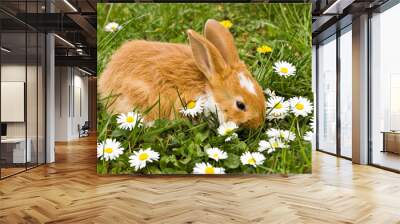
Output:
x=284 y=68
x=216 y=154
x=300 y=106
x=226 y=23
x=206 y=168
x=227 y=128
x=264 y=49
x=252 y=158
x=281 y=134
x=312 y=124
x=287 y=135
x=112 y=27
x=140 y=158
x=231 y=137
x=270 y=145
x=263 y=145
x=273 y=116
x=273 y=133
x=269 y=92
x=278 y=106
x=309 y=136
x=109 y=150
x=129 y=121
x=194 y=107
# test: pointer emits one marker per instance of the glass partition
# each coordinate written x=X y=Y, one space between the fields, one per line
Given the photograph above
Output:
x=327 y=95
x=14 y=153
x=385 y=89
x=22 y=88
x=346 y=92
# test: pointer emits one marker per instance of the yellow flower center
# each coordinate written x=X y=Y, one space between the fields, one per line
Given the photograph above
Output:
x=215 y=155
x=130 y=119
x=143 y=156
x=228 y=131
x=299 y=106
x=264 y=49
x=275 y=145
x=191 y=105
x=251 y=161
x=226 y=23
x=209 y=170
x=284 y=70
x=278 y=106
x=108 y=150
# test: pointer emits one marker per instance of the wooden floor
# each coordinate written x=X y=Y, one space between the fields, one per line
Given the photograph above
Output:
x=70 y=191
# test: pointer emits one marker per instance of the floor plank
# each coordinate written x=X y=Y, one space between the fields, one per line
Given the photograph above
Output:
x=69 y=191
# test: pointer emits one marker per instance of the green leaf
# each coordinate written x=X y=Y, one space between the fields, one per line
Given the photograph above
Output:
x=232 y=162
x=117 y=133
x=200 y=137
x=153 y=170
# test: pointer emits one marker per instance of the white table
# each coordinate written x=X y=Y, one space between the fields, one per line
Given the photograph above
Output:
x=19 y=155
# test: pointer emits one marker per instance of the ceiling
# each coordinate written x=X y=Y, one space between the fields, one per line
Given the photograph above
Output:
x=330 y=15
x=74 y=22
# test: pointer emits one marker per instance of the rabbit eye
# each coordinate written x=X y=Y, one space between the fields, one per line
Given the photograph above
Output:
x=241 y=105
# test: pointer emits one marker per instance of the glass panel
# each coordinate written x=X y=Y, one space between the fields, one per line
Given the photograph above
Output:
x=32 y=88
x=13 y=86
x=41 y=99
x=327 y=96
x=385 y=84
x=31 y=99
x=346 y=93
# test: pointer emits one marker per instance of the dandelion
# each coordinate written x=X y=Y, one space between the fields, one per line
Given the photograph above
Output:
x=227 y=128
x=112 y=27
x=194 y=107
x=109 y=150
x=252 y=158
x=264 y=49
x=284 y=68
x=140 y=158
x=129 y=121
x=206 y=168
x=216 y=154
x=300 y=106
x=226 y=23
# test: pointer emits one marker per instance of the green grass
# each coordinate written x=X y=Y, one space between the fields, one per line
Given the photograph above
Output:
x=286 y=28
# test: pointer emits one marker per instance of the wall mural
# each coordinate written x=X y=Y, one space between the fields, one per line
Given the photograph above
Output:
x=204 y=89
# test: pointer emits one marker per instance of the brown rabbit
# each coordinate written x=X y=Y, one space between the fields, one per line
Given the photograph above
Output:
x=143 y=72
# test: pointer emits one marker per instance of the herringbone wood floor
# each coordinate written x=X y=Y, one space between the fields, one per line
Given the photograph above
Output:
x=70 y=191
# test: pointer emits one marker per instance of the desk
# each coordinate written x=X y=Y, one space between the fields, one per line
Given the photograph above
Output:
x=17 y=150
x=391 y=141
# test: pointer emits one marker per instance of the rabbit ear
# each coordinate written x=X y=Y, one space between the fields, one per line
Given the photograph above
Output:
x=206 y=56
x=222 y=39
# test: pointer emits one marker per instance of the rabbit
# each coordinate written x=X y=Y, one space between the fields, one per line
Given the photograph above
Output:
x=142 y=73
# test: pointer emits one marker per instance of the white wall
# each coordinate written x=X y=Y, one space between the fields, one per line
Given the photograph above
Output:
x=71 y=102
